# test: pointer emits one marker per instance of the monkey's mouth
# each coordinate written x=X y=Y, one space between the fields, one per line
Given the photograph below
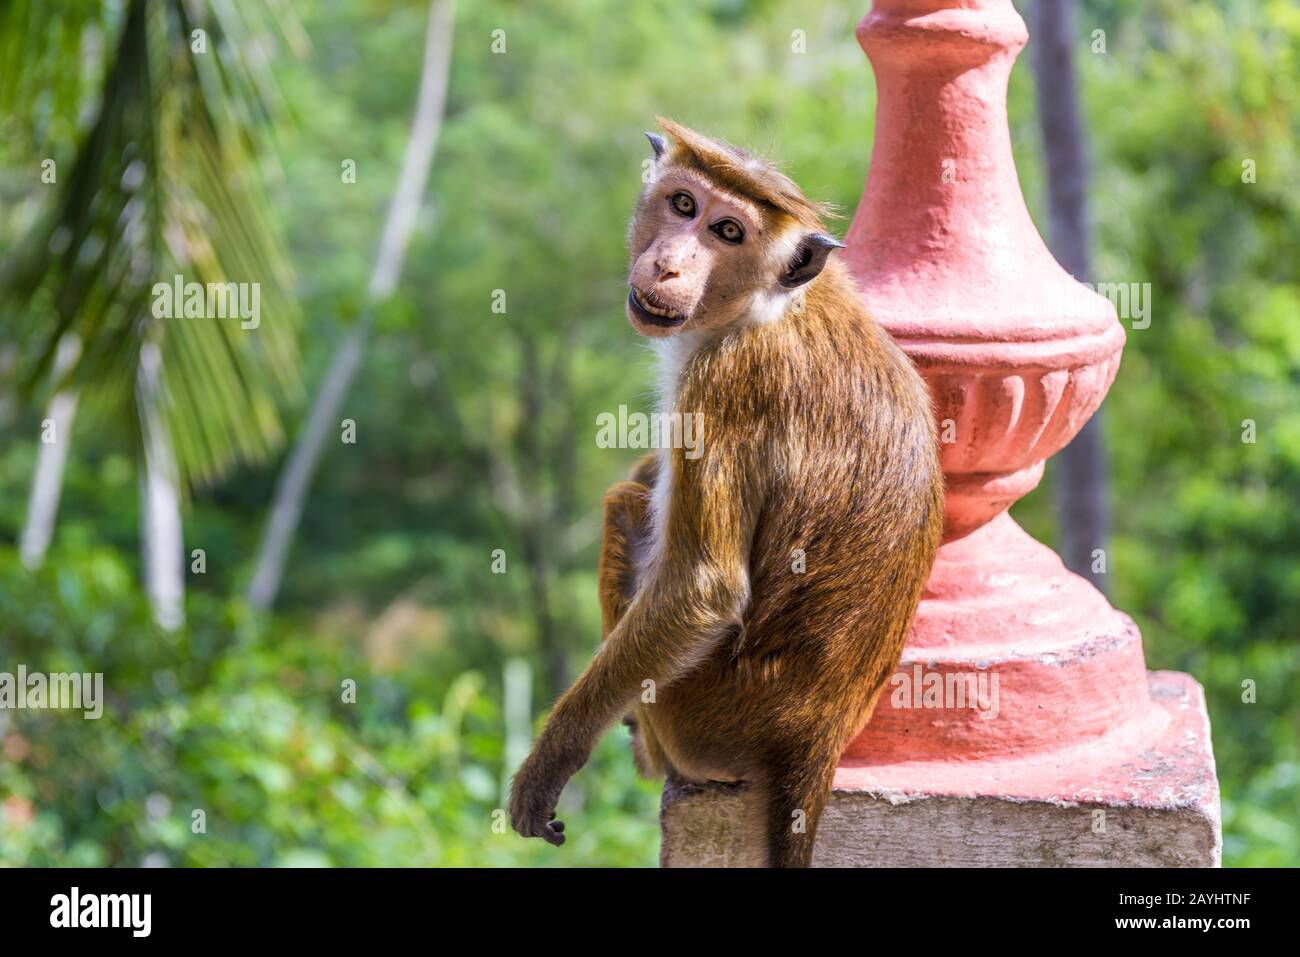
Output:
x=652 y=310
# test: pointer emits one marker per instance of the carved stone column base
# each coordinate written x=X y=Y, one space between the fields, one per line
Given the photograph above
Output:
x=1109 y=803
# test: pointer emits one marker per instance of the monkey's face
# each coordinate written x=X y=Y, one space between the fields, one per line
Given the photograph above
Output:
x=703 y=257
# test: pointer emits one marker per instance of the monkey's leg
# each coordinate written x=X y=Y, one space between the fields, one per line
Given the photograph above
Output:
x=798 y=785
x=627 y=527
x=627 y=506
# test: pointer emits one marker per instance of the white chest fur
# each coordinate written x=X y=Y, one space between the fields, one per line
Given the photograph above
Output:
x=673 y=353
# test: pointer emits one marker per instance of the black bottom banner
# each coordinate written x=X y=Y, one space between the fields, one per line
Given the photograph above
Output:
x=335 y=907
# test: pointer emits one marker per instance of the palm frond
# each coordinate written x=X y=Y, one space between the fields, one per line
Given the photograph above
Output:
x=166 y=181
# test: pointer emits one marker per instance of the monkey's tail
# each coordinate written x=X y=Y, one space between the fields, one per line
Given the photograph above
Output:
x=798 y=787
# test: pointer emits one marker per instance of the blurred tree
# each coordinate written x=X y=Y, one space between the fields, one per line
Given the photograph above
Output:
x=52 y=457
x=1079 y=473
x=162 y=181
x=291 y=491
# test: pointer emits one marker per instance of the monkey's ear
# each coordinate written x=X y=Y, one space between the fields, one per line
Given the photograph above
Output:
x=809 y=259
x=657 y=143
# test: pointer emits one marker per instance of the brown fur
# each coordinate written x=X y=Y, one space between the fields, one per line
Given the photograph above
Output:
x=742 y=172
x=818 y=436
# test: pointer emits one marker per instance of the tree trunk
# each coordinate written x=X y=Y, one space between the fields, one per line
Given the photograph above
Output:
x=517 y=689
x=163 y=550
x=537 y=529
x=1079 y=475
x=51 y=458
x=8 y=363
x=291 y=489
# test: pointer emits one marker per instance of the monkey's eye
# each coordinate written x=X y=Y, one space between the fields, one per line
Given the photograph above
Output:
x=729 y=231
x=684 y=203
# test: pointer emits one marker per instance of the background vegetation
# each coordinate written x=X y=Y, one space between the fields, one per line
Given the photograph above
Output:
x=475 y=429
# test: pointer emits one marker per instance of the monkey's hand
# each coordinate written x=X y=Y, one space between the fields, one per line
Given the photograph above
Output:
x=536 y=788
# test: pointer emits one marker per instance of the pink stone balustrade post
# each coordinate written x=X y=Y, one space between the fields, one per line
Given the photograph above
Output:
x=1022 y=726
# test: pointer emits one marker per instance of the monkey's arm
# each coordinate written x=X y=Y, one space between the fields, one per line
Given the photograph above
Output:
x=694 y=589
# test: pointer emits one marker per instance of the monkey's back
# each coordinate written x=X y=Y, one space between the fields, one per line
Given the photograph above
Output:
x=850 y=521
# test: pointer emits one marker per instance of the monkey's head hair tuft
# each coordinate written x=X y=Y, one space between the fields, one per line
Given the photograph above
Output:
x=744 y=173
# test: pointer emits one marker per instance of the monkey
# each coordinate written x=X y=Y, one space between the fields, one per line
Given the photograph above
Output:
x=764 y=588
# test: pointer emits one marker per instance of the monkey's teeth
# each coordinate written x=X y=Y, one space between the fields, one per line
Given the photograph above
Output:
x=655 y=310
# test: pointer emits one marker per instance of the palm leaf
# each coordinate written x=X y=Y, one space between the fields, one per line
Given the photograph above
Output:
x=166 y=180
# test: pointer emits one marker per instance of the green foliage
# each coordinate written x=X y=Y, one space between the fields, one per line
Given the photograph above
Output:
x=250 y=727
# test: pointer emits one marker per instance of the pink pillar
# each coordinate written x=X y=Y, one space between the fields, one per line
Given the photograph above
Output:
x=1022 y=726
x=1018 y=355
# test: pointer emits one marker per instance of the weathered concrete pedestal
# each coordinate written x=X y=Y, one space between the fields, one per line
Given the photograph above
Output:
x=1022 y=727
x=1159 y=808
